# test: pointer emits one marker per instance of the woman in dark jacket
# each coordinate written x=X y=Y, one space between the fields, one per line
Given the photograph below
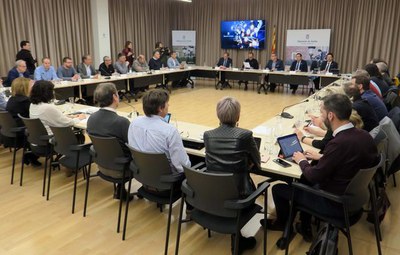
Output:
x=19 y=103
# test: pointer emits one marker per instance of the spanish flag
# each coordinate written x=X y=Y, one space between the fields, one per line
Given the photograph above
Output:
x=273 y=48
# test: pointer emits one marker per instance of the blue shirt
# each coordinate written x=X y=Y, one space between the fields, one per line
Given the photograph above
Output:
x=173 y=63
x=154 y=135
x=376 y=103
x=48 y=75
x=66 y=74
x=3 y=102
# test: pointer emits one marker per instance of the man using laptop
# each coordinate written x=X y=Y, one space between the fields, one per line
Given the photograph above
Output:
x=350 y=150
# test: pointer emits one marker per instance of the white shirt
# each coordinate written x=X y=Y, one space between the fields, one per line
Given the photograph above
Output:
x=342 y=128
x=88 y=70
x=50 y=115
x=154 y=135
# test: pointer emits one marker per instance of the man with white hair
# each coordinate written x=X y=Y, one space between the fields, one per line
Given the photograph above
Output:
x=19 y=70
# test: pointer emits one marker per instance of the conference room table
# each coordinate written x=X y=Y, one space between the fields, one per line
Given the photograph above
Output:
x=65 y=89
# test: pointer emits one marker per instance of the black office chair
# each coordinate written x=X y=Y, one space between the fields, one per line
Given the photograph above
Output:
x=219 y=209
x=74 y=155
x=12 y=137
x=38 y=138
x=154 y=172
x=358 y=192
x=107 y=153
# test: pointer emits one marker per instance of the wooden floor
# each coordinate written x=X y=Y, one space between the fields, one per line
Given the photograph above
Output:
x=31 y=225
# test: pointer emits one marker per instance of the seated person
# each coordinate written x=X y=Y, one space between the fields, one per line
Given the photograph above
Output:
x=67 y=71
x=46 y=71
x=274 y=64
x=121 y=65
x=173 y=62
x=106 y=68
x=3 y=101
x=155 y=61
x=19 y=70
x=362 y=83
x=151 y=133
x=224 y=63
x=86 y=69
x=230 y=149
x=299 y=65
x=326 y=67
x=140 y=64
x=377 y=78
x=253 y=65
x=107 y=123
x=41 y=107
x=19 y=103
x=350 y=150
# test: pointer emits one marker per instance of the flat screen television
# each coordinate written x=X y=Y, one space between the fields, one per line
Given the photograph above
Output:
x=243 y=34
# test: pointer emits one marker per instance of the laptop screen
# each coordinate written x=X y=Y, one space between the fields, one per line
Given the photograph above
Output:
x=289 y=144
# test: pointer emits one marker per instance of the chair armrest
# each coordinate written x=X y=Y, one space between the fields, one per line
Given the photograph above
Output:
x=79 y=147
x=171 y=178
x=186 y=189
x=197 y=166
x=46 y=137
x=122 y=160
x=317 y=192
x=243 y=203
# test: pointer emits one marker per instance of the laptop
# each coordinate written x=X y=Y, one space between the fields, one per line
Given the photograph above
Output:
x=167 y=117
x=289 y=144
x=246 y=65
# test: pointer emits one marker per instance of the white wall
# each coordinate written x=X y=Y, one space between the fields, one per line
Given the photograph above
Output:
x=101 y=31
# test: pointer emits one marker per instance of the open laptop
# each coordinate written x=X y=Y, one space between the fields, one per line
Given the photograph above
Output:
x=246 y=65
x=289 y=144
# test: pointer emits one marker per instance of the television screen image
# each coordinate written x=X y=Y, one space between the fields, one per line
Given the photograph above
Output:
x=243 y=34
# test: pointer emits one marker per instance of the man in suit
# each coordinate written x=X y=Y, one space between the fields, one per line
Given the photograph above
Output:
x=86 y=70
x=107 y=123
x=19 y=70
x=274 y=64
x=26 y=55
x=299 y=65
x=224 y=63
x=326 y=67
x=253 y=65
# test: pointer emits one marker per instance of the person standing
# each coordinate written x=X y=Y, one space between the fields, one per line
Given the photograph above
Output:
x=129 y=53
x=26 y=55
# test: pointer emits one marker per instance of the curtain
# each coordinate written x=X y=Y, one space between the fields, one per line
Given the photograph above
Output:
x=55 y=29
x=144 y=22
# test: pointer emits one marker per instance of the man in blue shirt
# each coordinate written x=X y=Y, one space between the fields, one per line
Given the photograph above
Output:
x=45 y=71
x=19 y=70
x=173 y=61
x=362 y=83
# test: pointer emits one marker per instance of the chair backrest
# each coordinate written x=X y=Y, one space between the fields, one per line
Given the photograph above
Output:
x=208 y=191
x=35 y=131
x=7 y=123
x=105 y=150
x=149 y=167
x=357 y=192
x=64 y=137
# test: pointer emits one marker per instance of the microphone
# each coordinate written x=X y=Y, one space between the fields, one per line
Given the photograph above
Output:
x=287 y=115
x=133 y=110
x=102 y=69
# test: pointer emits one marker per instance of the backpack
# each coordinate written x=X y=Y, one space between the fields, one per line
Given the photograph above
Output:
x=326 y=241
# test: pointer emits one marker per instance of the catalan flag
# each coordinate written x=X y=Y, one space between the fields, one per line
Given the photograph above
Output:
x=273 y=48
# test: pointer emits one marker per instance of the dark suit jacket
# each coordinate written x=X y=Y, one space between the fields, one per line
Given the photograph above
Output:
x=253 y=63
x=229 y=62
x=155 y=64
x=106 y=71
x=333 y=65
x=26 y=55
x=279 y=66
x=231 y=150
x=12 y=75
x=18 y=105
x=81 y=69
x=303 y=66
